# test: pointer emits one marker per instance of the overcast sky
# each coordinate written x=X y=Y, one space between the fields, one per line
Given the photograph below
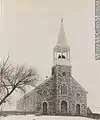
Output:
x=29 y=31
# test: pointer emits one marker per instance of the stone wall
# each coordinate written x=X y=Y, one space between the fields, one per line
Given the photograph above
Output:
x=75 y=93
x=61 y=86
x=46 y=93
x=27 y=102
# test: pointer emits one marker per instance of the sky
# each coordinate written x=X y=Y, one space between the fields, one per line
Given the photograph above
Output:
x=29 y=31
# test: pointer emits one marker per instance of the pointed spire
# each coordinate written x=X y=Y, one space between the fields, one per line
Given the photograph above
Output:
x=61 y=37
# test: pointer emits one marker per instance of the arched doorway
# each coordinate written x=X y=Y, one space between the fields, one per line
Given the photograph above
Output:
x=77 y=109
x=44 y=108
x=64 y=108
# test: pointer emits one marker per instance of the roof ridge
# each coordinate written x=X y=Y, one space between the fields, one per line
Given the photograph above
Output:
x=35 y=88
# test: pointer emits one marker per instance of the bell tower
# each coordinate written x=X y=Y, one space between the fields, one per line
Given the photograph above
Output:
x=61 y=52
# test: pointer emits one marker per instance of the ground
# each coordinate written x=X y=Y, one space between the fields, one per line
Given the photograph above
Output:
x=32 y=117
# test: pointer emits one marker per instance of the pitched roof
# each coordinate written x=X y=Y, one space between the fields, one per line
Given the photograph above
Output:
x=34 y=90
x=45 y=81
x=78 y=84
x=95 y=109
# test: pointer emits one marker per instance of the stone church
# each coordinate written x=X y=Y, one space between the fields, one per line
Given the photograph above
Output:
x=60 y=94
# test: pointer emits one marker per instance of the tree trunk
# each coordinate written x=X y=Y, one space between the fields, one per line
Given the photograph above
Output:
x=4 y=99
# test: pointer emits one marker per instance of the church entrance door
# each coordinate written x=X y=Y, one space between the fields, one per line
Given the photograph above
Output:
x=77 y=109
x=64 y=108
x=44 y=108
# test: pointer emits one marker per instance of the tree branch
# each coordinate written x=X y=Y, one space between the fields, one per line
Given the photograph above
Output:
x=12 y=78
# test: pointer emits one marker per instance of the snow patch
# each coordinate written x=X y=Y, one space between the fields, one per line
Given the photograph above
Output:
x=32 y=117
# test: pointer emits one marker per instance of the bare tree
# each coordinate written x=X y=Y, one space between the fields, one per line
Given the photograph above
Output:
x=13 y=78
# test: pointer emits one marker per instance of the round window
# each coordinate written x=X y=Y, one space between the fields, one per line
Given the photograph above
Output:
x=78 y=95
x=64 y=73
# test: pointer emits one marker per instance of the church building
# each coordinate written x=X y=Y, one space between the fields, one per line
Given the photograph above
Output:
x=60 y=94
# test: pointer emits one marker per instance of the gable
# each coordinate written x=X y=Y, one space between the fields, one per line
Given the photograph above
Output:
x=48 y=87
x=50 y=79
x=77 y=84
x=33 y=92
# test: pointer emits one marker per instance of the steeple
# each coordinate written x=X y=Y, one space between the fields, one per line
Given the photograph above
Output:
x=61 y=51
x=61 y=37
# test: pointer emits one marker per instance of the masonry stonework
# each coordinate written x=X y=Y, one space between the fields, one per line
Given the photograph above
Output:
x=60 y=94
x=46 y=93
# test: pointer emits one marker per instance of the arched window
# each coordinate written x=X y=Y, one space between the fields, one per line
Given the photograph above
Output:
x=63 y=89
x=78 y=109
x=59 y=56
x=44 y=108
x=64 y=55
x=64 y=108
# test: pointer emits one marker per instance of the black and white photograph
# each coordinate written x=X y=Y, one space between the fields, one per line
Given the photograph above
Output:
x=49 y=59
